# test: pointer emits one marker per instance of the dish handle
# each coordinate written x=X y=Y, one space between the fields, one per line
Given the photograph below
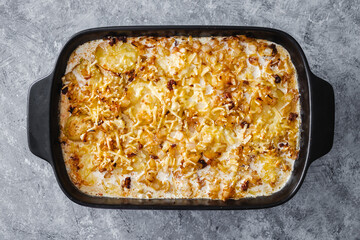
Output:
x=322 y=117
x=38 y=118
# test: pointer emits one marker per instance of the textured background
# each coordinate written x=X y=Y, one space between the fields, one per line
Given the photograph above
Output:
x=33 y=206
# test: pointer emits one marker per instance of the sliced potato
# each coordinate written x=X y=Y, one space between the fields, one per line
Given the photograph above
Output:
x=86 y=170
x=120 y=57
x=75 y=126
x=171 y=64
x=70 y=77
x=87 y=70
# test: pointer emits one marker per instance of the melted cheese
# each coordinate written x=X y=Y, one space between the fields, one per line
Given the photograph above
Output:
x=180 y=117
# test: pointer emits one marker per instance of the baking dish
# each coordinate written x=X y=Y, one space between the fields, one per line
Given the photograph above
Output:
x=316 y=131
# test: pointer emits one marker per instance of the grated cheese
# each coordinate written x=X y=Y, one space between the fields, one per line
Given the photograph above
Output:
x=181 y=117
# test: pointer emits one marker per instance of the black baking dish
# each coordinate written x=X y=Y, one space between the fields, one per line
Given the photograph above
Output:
x=316 y=133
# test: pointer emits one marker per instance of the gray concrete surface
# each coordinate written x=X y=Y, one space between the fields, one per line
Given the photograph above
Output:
x=32 y=206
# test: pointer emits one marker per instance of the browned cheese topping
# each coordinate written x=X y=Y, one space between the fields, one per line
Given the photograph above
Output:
x=180 y=117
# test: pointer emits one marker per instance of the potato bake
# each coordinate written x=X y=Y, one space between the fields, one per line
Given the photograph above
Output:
x=180 y=117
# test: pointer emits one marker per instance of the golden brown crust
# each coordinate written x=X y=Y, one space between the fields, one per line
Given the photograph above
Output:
x=180 y=117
